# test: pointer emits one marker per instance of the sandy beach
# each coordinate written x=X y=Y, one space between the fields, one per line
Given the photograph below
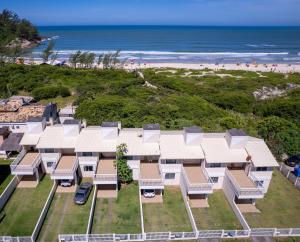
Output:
x=278 y=68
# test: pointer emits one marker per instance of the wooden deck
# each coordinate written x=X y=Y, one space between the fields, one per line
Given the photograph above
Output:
x=149 y=171
x=242 y=179
x=106 y=167
x=28 y=159
x=195 y=174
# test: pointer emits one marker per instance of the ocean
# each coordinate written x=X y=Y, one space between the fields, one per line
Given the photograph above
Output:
x=184 y=44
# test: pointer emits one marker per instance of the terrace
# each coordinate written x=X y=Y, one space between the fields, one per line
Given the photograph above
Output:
x=280 y=206
x=196 y=180
x=171 y=215
x=218 y=215
x=65 y=217
x=25 y=163
x=65 y=167
x=121 y=215
x=242 y=185
x=23 y=209
x=106 y=172
x=150 y=176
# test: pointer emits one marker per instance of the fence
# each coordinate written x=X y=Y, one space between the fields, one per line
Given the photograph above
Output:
x=90 y=223
x=290 y=176
x=43 y=213
x=8 y=191
x=15 y=239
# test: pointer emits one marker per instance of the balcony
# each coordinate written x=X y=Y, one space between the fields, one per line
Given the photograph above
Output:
x=106 y=173
x=65 y=168
x=51 y=157
x=150 y=176
x=243 y=186
x=25 y=163
x=197 y=180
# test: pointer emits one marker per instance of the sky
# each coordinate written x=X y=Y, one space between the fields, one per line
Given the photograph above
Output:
x=158 y=12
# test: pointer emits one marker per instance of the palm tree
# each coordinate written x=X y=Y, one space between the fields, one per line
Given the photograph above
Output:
x=48 y=51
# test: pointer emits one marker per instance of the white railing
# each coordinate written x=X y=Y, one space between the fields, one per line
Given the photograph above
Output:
x=14 y=167
x=240 y=191
x=64 y=172
x=106 y=177
x=15 y=239
x=90 y=223
x=53 y=157
x=151 y=183
x=5 y=195
x=197 y=187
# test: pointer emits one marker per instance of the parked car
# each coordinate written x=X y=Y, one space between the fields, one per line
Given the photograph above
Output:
x=82 y=193
x=293 y=161
x=148 y=193
x=66 y=183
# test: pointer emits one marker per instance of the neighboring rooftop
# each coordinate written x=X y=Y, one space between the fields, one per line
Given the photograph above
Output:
x=193 y=129
x=12 y=142
x=71 y=121
x=53 y=138
x=35 y=119
x=98 y=144
x=237 y=132
x=151 y=127
x=109 y=124
x=4 y=130
x=173 y=146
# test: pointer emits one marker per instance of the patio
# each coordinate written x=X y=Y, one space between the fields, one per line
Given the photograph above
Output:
x=65 y=217
x=23 y=209
x=218 y=215
x=149 y=171
x=195 y=174
x=171 y=215
x=242 y=179
x=280 y=206
x=121 y=215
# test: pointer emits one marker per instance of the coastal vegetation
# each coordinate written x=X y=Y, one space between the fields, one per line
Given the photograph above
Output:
x=15 y=29
x=175 y=98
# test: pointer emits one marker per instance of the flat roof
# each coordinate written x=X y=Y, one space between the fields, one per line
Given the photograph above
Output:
x=193 y=129
x=133 y=138
x=106 y=167
x=66 y=162
x=91 y=140
x=216 y=150
x=149 y=171
x=173 y=146
x=53 y=138
x=30 y=139
x=260 y=153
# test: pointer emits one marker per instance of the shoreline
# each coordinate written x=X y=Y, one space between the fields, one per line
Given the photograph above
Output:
x=277 y=68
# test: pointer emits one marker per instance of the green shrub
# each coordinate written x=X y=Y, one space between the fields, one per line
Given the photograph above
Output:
x=50 y=92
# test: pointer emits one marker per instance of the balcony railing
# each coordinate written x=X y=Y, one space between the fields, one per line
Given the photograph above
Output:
x=206 y=187
x=242 y=191
x=16 y=168
x=106 y=177
x=151 y=183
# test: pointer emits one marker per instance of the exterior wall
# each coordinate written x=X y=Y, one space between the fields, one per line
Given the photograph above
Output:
x=171 y=168
x=108 y=155
x=263 y=176
x=135 y=167
x=15 y=127
x=172 y=182
x=87 y=173
x=217 y=172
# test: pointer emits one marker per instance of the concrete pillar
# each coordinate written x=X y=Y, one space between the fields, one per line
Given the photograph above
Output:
x=37 y=175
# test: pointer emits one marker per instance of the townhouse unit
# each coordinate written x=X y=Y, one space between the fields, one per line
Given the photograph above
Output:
x=200 y=162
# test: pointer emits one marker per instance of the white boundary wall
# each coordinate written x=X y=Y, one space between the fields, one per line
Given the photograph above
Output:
x=90 y=223
x=8 y=191
x=43 y=214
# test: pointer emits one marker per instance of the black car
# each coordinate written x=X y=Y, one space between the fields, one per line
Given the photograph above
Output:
x=82 y=193
x=293 y=161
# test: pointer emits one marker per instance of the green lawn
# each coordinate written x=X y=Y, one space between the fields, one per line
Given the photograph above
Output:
x=121 y=215
x=219 y=215
x=171 y=215
x=5 y=176
x=279 y=208
x=64 y=217
x=23 y=209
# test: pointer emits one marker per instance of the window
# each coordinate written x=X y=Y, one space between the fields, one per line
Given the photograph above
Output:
x=215 y=179
x=87 y=154
x=88 y=168
x=49 y=164
x=259 y=183
x=215 y=165
x=171 y=161
x=262 y=169
x=49 y=151
x=170 y=176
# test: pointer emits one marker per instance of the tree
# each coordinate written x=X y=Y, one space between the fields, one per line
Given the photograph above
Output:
x=124 y=172
x=48 y=51
x=74 y=59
